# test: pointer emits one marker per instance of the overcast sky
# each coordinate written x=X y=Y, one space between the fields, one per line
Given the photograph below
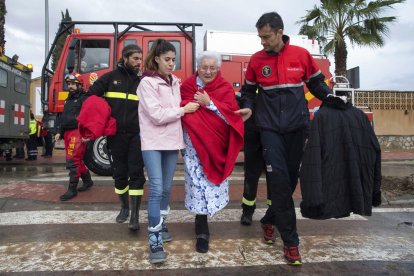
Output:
x=390 y=67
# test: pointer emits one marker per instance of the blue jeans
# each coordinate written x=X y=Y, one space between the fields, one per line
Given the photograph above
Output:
x=160 y=165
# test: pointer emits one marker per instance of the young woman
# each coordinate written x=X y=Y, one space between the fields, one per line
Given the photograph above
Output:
x=161 y=137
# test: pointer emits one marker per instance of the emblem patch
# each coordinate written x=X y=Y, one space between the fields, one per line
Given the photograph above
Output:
x=266 y=70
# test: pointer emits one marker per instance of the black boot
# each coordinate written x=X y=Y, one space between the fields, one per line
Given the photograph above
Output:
x=124 y=213
x=135 y=203
x=247 y=215
x=202 y=233
x=87 y=181
x=71 y=192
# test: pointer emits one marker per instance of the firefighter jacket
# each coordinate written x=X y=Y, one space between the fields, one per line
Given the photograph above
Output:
x=341 y=167
x=71 y=110
x=119 y=88
x=280 y=103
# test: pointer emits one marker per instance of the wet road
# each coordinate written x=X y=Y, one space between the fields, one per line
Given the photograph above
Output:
x=41 y=235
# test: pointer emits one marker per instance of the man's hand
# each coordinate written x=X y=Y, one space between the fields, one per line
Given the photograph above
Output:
x=245 y=113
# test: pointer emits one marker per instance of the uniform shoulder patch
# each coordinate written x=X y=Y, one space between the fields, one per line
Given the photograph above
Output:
x=266 y=70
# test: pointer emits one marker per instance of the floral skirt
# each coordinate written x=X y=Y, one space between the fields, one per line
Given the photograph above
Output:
x=201 y=196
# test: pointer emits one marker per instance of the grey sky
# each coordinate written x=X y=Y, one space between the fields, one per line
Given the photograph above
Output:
x=390 y=67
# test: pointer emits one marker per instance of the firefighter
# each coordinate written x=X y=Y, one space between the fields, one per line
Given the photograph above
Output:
x=74 y=146
x=119 y=88
x=31 y=143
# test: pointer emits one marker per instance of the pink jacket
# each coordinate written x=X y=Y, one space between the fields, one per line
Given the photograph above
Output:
x=160 y=114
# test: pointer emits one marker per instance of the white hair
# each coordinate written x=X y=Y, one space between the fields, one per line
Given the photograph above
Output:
x=208 y=54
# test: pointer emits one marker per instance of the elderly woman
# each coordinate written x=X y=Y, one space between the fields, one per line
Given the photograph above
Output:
x=213 y=136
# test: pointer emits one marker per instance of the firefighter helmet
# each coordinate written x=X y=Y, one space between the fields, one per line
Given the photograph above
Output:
x=74 y=77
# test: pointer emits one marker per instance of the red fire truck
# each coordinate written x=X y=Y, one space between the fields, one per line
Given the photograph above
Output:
x=94 y=54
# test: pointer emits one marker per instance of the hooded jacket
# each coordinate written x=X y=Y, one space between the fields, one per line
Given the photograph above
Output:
x=160 y=113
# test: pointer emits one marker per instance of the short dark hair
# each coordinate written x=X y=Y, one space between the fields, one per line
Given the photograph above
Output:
x=130 y=49
x=273 y=19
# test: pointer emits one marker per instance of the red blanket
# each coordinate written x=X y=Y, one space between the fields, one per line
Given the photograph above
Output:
x=95 y=119
x=217 y=143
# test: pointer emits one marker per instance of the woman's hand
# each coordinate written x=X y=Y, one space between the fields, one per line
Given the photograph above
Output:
x=202 y=98
x=191 y=107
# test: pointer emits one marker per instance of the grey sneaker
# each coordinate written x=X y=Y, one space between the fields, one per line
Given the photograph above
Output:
x=156 y=254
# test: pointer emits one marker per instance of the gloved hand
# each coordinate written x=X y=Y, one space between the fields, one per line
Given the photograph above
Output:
x=376 y=199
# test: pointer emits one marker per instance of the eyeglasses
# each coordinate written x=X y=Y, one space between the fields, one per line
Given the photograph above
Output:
x=206 y=69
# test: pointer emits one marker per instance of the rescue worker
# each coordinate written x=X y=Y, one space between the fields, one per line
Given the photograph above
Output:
x=74 y=146
x=279 y=71
x=31 y=143
x=119 y=88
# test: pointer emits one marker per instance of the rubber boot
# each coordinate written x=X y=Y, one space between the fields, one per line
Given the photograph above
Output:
x=87 y=181
x=247 y=215
x=135 y=203
x=156 y=254
x=124 y=213
x=71 y=192
x=166 y=236
x=202 y=233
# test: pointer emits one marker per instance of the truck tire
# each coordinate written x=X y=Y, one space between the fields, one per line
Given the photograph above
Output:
x=96 y=157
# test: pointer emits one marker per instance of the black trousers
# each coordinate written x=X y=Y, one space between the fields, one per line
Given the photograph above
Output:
x=127 y=165
x=253 y=167
x=48 y=144
x=283 y=154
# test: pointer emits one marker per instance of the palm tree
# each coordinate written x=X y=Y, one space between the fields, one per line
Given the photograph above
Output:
x=337 y=21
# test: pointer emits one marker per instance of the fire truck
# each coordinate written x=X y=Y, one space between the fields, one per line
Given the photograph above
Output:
x=14 y=102
x=94 y=54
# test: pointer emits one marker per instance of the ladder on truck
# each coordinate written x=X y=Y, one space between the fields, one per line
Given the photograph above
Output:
x=342 y=88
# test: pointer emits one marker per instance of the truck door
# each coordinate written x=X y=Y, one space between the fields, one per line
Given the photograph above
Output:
x=180 y=60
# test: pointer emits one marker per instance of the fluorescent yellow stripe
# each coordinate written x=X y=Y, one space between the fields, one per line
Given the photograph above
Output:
x=121 y=192
x=248 y=202
x=136 y=192
x=309 y=96
x=121 y=95
x=63 y=95
x=269 y=202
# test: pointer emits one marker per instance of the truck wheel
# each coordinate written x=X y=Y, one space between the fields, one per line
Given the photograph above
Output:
x=96 y=157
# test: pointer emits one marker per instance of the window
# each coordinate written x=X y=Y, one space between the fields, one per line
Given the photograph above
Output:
x=129 y=42
x=177 y=46
x=3 y=78
x=20 y=84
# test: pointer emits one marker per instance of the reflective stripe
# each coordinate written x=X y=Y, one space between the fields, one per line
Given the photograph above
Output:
x=286 y=85
x=121 y=192
x=33 y=127
x=248 y=202
x=250 y=83
x=121 y=95
x=269 y=202
x=136 y=192
x=314 y=75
